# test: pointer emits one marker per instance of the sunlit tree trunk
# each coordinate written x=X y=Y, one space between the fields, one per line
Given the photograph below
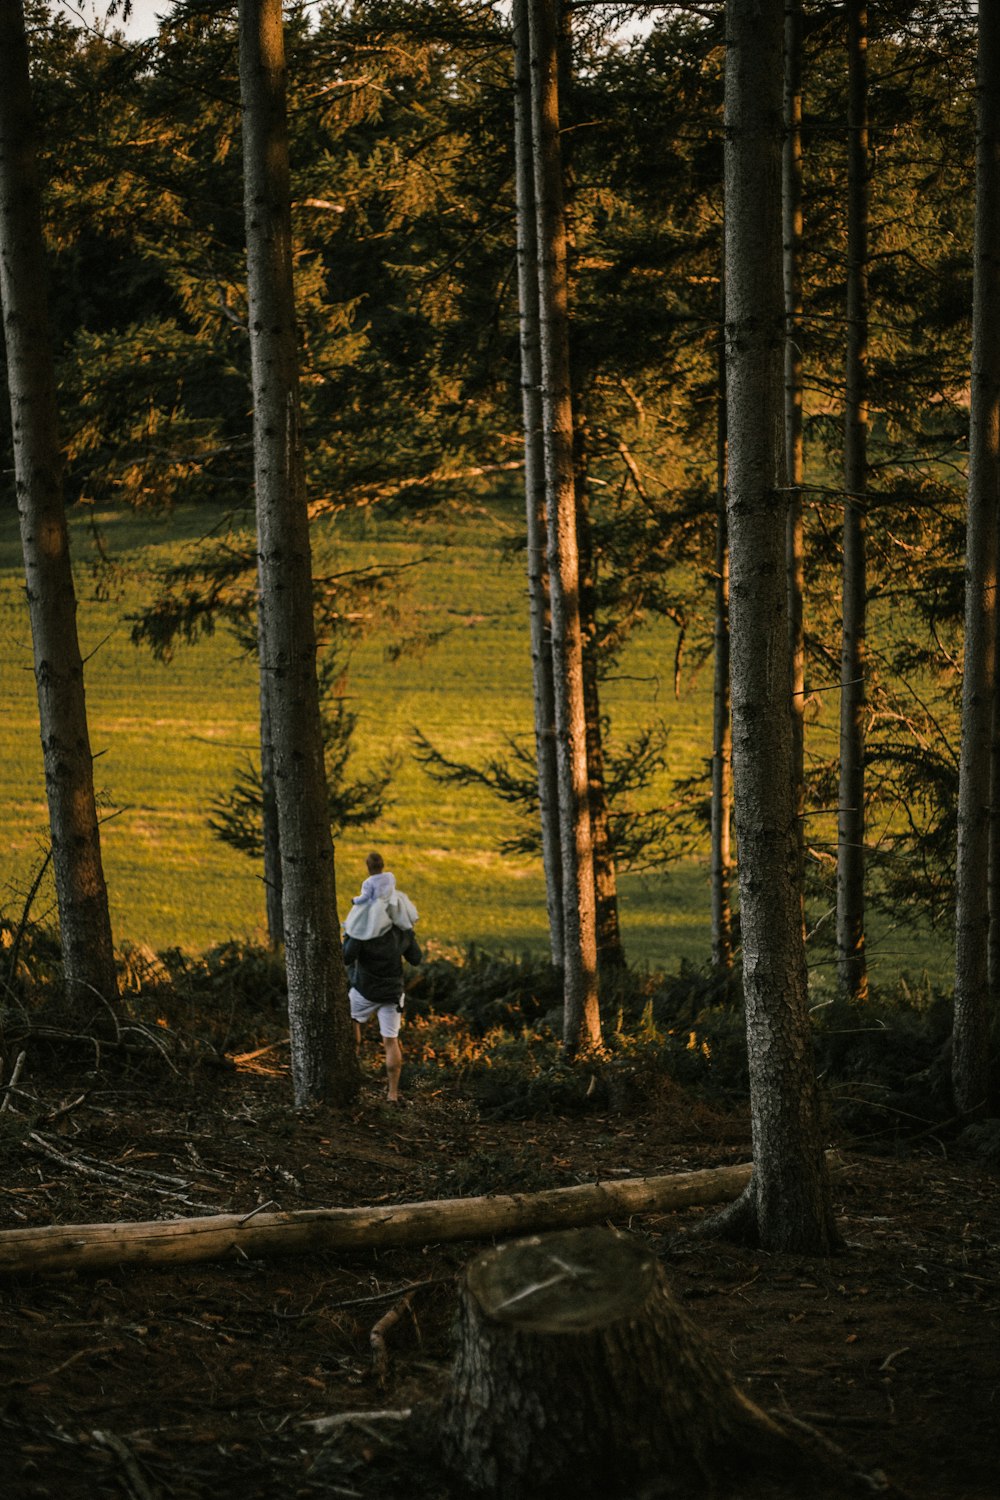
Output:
x=970 y=1037
x=852 y=964
x=787 y=1205
x=794 y=551
x=269 y=804
x=534 y=484
x=610 y=952
x=610 y=948
x=324 y=1065
x=722 y=737
x=582 y=1026
x=84 y=923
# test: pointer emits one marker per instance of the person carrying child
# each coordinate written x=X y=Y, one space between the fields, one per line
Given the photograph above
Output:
x=378 y=936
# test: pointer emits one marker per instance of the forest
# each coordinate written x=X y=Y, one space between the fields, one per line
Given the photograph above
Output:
x=554 y=444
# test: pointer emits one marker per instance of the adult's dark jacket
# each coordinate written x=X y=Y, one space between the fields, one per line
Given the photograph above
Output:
x=375 y=965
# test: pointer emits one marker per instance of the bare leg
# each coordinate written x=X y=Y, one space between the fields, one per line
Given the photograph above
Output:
x=393 y=1064
x=357 y=1036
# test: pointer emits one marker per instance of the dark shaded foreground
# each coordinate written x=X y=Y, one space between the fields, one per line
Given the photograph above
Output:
x=203 y=1380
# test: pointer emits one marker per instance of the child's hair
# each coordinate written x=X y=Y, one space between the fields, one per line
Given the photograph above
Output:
x=374 y=864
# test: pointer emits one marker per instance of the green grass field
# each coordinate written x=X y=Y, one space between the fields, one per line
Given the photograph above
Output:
x=168 y=738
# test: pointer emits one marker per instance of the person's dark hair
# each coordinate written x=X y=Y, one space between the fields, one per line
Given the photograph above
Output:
x=374 y=864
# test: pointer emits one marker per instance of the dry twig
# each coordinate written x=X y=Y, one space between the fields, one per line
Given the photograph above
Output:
x=377 y=1337
x=13 y=1081
x=119 y=1177
x=135 y=1480
x=344 y=1418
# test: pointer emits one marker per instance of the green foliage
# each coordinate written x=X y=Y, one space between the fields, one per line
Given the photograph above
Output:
x=231 y=998
x=352 y=802
x=487 y=1027
x=883 y=1066
x=639 y=838
x=30 y=961
x=487 y=991
x=403 y=221
x=148 y=432
x=521 y=1077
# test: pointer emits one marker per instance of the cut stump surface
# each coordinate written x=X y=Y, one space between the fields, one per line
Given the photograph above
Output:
x=578 y=1373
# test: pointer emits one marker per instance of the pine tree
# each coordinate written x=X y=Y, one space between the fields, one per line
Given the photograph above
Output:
x=973 y=1000
x=582 y=1026
x=84 y=921
x=324 y=1064
x=787 y=1205
x=794 y=453
x=851 y=812
x=534 y=486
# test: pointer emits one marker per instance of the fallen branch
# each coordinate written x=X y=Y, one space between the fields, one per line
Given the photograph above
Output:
x=377 y=1337
x=125 y=1179
x=345 y=1418
x=60 y=1247
x=386 y=1296
x=135 y=1480
x=15 y=1079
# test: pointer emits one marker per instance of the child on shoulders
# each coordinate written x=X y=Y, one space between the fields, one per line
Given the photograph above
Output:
x=379 y=885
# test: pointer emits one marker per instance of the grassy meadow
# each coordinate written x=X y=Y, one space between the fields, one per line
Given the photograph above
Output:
x=168 y=737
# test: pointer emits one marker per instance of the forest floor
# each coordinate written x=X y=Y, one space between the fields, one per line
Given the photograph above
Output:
x=202 y=1380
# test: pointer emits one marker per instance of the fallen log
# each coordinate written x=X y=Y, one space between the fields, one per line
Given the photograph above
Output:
x=62 y=1247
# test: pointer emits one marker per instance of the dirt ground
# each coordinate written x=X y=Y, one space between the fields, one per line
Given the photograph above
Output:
x=203 y=1380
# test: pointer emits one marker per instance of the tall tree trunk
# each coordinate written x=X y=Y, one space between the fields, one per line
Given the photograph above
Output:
x=534 y=485
x=792 y=262
x=993 y=958
x=852 y=965
x=970 y=1037
x=84 y=923
x=722 y=736
x=269 y=802
x=610 y=948
x=324 y=1065
x=787 y=1205
x=610 y=951
x=582 y=1025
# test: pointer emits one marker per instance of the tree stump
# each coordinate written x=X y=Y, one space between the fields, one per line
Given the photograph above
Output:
x=578 y=1374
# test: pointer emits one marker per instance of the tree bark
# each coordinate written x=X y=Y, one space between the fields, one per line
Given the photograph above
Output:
x=721 y=874
x=792 y=269
x=84 y=921
x=534 y=486
x=788 y=1206
x=993 y=894
x=324 y=1064
x=610 y=950
x=57 y=1247
x=852 y=965
x=578 y=1373
x=970 y=1037
x=582 y=1024
x=269 y=800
